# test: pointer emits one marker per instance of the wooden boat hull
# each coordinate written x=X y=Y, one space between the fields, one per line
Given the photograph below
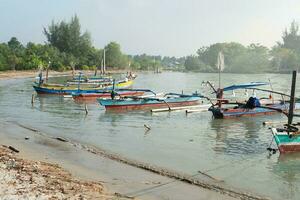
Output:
x=92 y=97
x=67 y=90
x=224 y=113
x=286 y=143
x=147 y=104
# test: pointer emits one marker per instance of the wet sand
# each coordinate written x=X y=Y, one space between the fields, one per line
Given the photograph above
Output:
x=122 y=179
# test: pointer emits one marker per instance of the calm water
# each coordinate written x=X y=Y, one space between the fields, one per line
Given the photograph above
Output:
x=233 y=150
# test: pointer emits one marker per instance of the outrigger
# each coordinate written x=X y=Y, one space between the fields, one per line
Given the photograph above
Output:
x=253 y=107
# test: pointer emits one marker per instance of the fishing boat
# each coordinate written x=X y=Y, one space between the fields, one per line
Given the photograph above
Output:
x=287 y=137
x=92 y=97
x=253 y=107
x=65 y=89
x=244 y=110
x=169 y=100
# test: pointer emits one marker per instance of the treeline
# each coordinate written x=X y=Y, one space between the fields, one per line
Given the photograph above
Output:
x=255 y=58
x=67 y=47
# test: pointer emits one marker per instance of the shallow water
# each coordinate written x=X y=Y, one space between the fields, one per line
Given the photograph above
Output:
x=233 y=150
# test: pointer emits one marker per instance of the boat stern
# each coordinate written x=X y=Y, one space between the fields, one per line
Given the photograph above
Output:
x=287 y=143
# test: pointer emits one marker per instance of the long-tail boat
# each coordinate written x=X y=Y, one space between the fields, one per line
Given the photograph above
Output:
x=149 y=102
x=253 y=107
x=287 y=137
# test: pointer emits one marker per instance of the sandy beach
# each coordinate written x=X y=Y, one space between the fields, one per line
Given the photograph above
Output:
x=51 y=168
x=27 y=179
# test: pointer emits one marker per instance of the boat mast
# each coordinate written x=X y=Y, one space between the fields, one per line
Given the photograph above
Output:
x=292 y=98
x=79 y=79
x=104 y=69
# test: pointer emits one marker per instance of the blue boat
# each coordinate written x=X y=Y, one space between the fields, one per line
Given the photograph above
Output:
x=146 y=103
x=244 y=86
x=253 y=107
x=244 y=111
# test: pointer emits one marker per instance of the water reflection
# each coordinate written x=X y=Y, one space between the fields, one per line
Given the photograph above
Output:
x=237 y=136
x=287 y=168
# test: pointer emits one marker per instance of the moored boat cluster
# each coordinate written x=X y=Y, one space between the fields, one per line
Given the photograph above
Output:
x=118 y=95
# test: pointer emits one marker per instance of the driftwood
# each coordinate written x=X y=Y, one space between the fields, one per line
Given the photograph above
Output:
x=13 y=149
x=61 y=139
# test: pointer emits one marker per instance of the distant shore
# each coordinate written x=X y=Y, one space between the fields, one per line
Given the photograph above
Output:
x=34 y=73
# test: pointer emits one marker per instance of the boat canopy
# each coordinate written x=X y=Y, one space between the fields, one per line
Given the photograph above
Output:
x=245 y=85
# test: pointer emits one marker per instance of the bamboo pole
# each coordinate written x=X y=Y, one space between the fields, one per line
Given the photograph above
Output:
x=86 y=109
x=32 y=98
x=292 y=100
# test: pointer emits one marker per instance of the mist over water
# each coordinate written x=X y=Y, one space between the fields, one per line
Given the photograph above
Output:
x=233 y=150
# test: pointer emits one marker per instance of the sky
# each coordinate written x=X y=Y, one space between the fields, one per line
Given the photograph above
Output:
x=155 y=27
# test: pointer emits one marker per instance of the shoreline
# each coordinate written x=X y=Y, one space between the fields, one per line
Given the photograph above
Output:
x=119 y=179
x=122 y=180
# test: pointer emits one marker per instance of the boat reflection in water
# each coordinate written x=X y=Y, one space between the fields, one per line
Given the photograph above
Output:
x=241 y=136
x=287 y=168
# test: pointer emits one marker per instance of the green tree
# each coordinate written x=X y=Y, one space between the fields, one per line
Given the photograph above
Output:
x=291 y=38
x=193 y=63
x=114 y=57
x=67 y=37
x=4 y=54
x=16 y=52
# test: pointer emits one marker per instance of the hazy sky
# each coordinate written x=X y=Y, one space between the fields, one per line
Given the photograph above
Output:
x=165 y=27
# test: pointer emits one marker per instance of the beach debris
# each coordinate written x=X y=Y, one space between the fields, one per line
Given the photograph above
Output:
x=147 y=127
x=123 y=196
x=26 y=138
x=10 y=164
x=26 y=179
x=13 y=149
x=191 y=140
x=61 y=139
